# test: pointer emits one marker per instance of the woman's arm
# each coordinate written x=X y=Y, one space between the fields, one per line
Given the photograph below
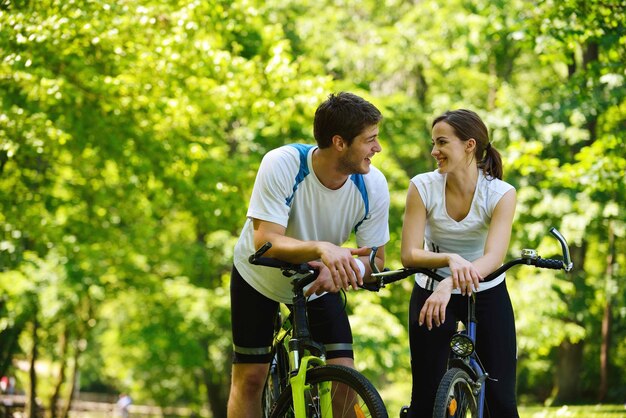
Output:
x=434 y=310
x=463 y=273
x=499 y=235
x=413 y=226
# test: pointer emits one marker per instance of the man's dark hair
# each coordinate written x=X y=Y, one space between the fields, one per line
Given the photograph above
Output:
x=344 y=114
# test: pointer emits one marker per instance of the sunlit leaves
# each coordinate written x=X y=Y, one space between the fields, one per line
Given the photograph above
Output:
x=130 y=133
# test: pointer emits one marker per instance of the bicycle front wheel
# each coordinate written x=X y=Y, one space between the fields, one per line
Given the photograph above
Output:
x=455 y=397
x=277 y=380
x=351 y=393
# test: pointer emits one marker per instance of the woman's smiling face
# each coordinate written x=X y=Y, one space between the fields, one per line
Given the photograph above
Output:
x=448 y=150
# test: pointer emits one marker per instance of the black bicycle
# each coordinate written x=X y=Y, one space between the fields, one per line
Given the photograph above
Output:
x=299 y=383
x=461 y=392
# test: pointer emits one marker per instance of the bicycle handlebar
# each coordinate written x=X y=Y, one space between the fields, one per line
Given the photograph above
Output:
x=529 y=257
x=568 y=265
x=288 y=269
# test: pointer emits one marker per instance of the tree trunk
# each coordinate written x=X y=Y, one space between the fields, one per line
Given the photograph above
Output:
x=591 y=53
x=607 y=319
x=61 y=374
x=421 y=86
x=568 y=372
x=570 y=354
x=70 y=396
x=9 y=347
x=216 y=395
x=571 y=66
x=31 y=402
x=492 y=94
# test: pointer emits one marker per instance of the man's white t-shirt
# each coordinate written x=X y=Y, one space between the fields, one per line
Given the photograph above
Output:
x=287 y=192
x=466 y=237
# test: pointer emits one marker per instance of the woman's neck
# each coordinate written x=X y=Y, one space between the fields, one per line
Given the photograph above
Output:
x=463 y=183
x=459 y=193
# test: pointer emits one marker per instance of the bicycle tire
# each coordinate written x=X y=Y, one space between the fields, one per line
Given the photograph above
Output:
x=455 y=397
x=364 y=401
x=277 y=379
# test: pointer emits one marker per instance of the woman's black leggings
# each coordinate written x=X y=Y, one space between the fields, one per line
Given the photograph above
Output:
x=495 y=345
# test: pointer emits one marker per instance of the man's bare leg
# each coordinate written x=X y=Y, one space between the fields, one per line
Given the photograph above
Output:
x=246 y=390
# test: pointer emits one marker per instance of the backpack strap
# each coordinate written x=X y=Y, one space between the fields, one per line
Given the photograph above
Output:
x=303 y=151
x=360 y=185
x=357 y=179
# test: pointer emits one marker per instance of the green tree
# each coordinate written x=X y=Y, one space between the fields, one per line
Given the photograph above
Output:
x=130 y=133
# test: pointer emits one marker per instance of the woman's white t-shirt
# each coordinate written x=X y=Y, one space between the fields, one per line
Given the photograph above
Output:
x=287 y=192
x=466 y=237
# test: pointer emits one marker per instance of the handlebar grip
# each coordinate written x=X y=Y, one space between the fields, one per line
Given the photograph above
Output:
x=387 y=276
x=549 y=263
x=252 y=259
x=300 y=284
x=372 y=287
x=267 y=262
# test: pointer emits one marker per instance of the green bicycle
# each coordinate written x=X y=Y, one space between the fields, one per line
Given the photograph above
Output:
x=299 y=383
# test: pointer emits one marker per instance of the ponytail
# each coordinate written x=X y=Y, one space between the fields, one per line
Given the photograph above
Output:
x=491 y=164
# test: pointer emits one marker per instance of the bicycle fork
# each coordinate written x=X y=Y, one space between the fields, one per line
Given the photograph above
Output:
x=300 y=365
x=299 y=387
x=474 y=363
x=463 y=346
x=479 y=385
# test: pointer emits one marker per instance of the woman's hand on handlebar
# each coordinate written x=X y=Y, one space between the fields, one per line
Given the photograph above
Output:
x=465 y=276
x=434 y=309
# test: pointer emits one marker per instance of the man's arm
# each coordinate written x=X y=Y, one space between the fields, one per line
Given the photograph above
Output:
x=339 y=269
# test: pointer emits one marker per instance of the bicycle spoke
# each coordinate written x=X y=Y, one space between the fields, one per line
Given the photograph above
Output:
x=344 y=390
x=454 y=396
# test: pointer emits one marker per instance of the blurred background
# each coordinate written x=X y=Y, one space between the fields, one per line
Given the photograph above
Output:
x=130 y=135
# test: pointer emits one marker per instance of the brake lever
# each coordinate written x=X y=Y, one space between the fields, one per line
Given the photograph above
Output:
x=373 y=265
x=568 y=265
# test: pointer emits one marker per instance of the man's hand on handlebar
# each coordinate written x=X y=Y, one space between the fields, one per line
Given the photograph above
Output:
x=342 y=266
x=324 y=281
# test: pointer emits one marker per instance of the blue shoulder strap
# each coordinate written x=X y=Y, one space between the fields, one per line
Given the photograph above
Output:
x=303 y=150
x=360 y=185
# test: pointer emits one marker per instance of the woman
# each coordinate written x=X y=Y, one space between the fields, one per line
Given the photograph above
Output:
x=458 y=220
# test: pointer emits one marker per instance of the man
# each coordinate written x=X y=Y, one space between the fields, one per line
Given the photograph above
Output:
x=123 y=404
x=306 y=201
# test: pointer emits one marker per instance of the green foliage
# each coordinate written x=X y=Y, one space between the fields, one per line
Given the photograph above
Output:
x=130 y=134
x=573 y=411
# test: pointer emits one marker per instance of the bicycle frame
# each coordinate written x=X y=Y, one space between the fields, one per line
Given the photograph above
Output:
x=469 y=361
x=299 y=344
x=300 y=341
x=298 y=365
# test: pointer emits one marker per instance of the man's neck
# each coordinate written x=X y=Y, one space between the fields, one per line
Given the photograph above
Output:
x=326 y=169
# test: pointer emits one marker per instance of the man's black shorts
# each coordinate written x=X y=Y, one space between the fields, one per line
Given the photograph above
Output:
x=253 y=315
